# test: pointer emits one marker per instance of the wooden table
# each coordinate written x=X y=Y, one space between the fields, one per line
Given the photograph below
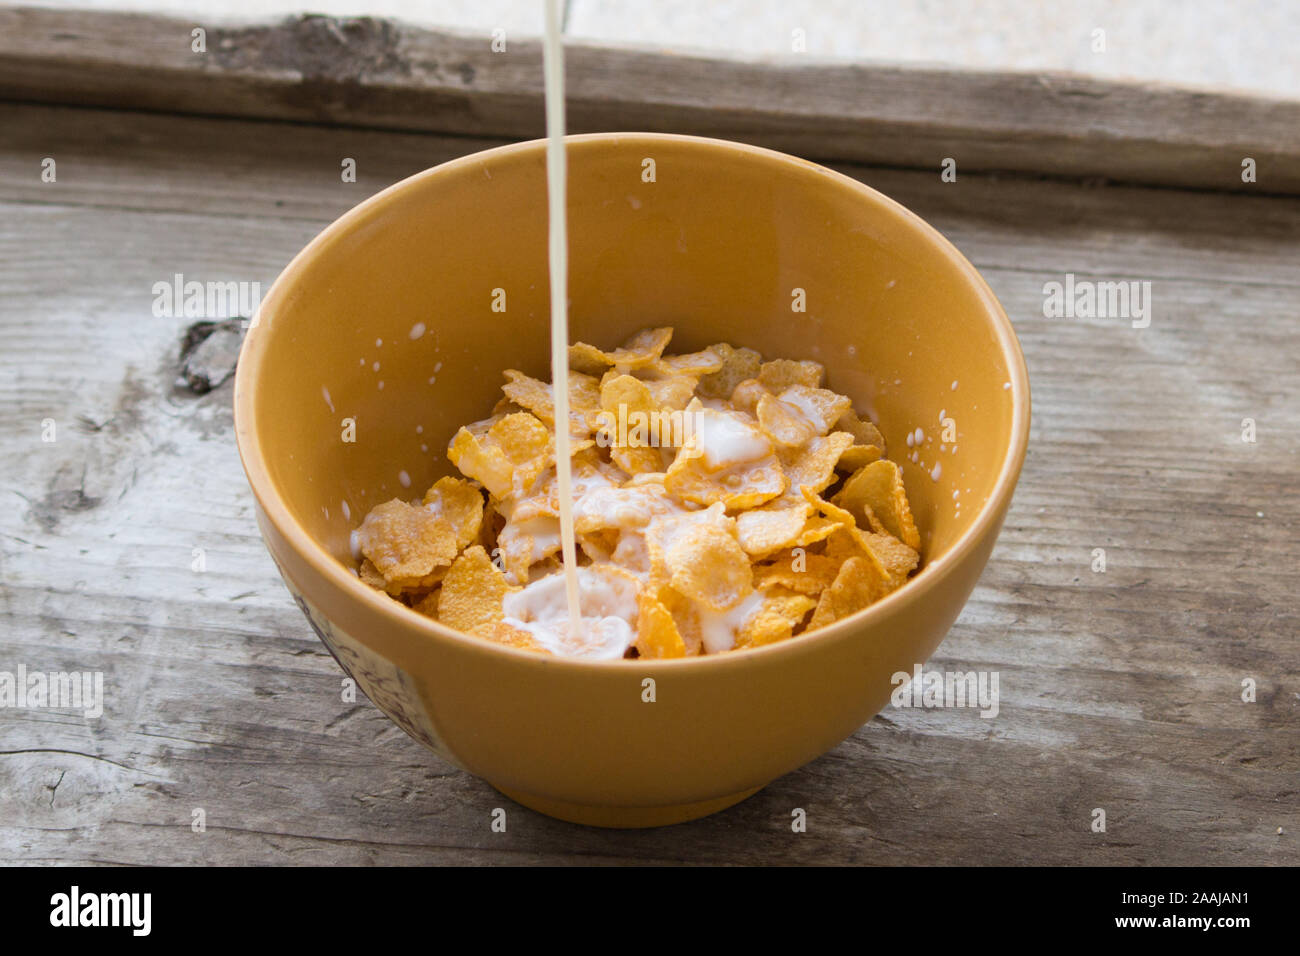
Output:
x=1120 y=690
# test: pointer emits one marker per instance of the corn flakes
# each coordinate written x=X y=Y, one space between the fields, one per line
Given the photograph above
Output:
x=657 y=634
x=781 y=612
x=859 y=583
x=876 y=491
x=780 y=374
x=720 y=502
x=537 y=397
x=737 y=366
x=406 y=543
x=640 y=350
x=470 y=599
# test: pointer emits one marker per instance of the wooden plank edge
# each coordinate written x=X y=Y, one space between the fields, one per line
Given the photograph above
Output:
x=385 y=74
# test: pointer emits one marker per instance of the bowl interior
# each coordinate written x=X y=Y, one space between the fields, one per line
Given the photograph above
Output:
x=393 y=319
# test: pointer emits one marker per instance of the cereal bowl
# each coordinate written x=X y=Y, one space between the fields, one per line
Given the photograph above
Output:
x=391 y=329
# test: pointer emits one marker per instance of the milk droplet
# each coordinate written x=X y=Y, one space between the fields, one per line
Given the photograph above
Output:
x=374 y=367
x=432 y=379
x=437 y=366
x=1005 y=386
x=911 y=439
x=404 y=478
x=936 y=472
x=920 y=436
x=954 y=385
x=379 y=343
x=381 y=384
x=417 y=330
x=326 y=393
x=941 y=415
x=347 y=512
x=419 y=429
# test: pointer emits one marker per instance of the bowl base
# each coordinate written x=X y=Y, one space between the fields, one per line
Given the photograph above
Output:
x=625 y=818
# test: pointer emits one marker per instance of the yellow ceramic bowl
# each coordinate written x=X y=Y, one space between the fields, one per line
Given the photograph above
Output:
x=383 y=330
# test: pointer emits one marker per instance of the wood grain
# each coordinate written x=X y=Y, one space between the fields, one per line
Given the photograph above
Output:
x=381 y=73
x=1119 y=690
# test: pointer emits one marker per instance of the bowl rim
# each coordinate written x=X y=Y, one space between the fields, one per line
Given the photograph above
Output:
x=401 y=617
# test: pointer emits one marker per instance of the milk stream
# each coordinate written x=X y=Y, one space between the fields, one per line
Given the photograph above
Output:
x=556 y=181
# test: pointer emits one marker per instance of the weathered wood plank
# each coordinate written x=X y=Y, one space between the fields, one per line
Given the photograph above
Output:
x=249 y=168
x=1119 y=690
x=1200 y=43
x=380 y=73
